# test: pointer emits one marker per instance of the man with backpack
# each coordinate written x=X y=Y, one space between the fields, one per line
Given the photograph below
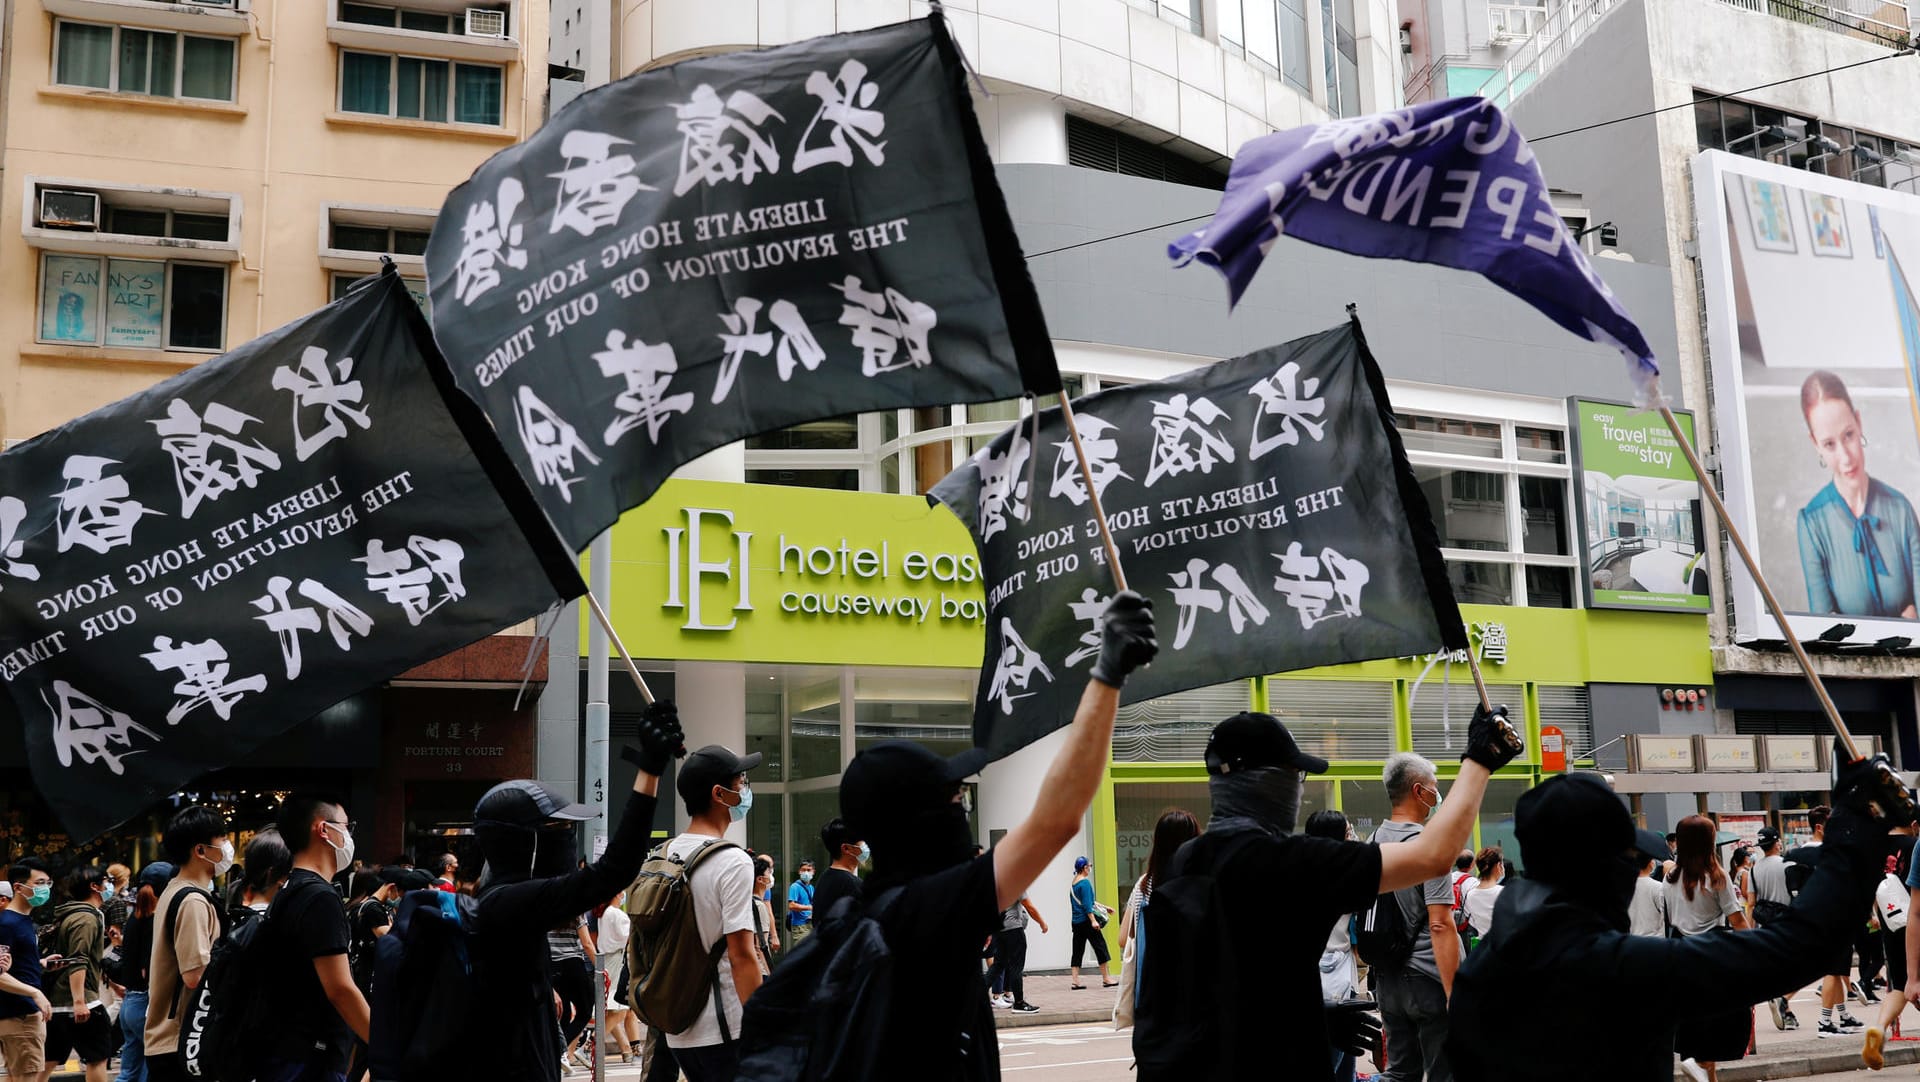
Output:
x=699 y=1006
x=1225 y=1019
x=462 y=987
x=1413 y=990
x=1562 y=950
x=79 y=939
x=187 y=922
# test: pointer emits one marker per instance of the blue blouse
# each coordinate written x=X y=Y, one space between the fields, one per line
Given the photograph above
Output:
x=1859 y=566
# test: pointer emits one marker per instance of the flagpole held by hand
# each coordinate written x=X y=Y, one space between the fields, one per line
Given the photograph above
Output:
x=1766 y=591
x=1093 y=494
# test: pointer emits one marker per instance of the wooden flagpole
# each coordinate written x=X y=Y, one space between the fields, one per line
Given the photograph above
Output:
x=1766 y=591
x=632 y=669
x=1093 y=493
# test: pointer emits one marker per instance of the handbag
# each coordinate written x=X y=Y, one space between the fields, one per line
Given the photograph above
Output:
x=1129 y=968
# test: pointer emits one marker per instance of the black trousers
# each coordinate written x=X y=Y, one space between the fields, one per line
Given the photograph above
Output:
x=1085 y=935
x=1872 y=955
x=1896 y=945
x=1010 y=958
x=573 y=980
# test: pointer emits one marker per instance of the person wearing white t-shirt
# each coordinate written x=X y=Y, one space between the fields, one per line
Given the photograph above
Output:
x=713 y=786
x=1647 y=912
x=623 y=1029
x=1478 y=899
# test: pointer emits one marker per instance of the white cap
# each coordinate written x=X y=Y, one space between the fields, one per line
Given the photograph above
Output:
x=6 y=891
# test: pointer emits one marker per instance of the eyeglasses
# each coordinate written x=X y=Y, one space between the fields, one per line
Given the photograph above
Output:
x=348 y=826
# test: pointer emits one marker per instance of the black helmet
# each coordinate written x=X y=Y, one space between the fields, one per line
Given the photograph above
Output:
x=526 y=803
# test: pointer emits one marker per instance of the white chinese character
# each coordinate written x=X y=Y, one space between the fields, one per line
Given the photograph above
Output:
x=846 y=104
x=432 y=730
x=489 y=237
x=453 y=730
x=1174 y=422
x=1088 y=609
x=648 y=370
x=595 y=185
x=1014 y=671
x=550 y=442
x=878 y=334
x=1101 y=452
x=1299 y=580
x=95 y=511
x=1003 y=485
x=84 y=726
x=1493 y=642
x=704 y=122
x=12 y=545
x=473 y=731
x=392 y=574
x=314 y=385
x=796 y=345
x=344 y=619
x=1282 y=396
x=203 y=672
x=1191 y=596
x=195 y=442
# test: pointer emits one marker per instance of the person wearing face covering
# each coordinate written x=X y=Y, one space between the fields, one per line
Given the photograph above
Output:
x=934 y=900
x=1276 y=1024
x=1565 y=927
x=530 y=884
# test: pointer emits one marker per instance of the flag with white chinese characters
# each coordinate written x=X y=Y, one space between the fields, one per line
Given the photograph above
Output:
x=728 y=246
x=194 y=569
x=1263 y=504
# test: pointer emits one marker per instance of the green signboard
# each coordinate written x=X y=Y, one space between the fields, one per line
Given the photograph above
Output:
x=1640 y=526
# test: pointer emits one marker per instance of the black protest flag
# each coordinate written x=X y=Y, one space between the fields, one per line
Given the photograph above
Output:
x=728 y=246
x=1264 y=504
x=198 y=567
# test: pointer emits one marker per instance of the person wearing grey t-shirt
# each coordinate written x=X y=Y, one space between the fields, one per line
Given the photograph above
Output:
x=1413 y=997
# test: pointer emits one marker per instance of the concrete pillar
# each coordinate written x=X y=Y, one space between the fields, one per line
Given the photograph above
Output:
x=1006 y=793
x=712 y=696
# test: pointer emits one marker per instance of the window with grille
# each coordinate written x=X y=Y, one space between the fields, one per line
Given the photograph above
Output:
x=1443 y=706
x=1569 y=709
x=1174 y=728
x=1091 y=146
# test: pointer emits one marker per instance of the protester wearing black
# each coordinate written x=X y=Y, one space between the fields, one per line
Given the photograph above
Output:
x=1564 y=928
x=942 y=903
x=319 y=1010
x=525 y=831
x=845 y=854
x=1274 y=1024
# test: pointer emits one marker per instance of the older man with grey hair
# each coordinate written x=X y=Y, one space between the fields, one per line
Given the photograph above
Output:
x=1413 y=995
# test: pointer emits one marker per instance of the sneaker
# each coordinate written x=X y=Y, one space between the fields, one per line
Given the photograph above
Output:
x=1851 y=1024
x=1779 y=1009
x=1793 y=1020
x=1867 y=995
x=1694 y=1070
x=1876 y=1044
x=1002 y=1002
x=1025 y=1008
x=1828 y=1029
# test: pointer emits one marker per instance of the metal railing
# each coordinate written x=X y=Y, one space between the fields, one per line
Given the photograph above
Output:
x=1882 y=22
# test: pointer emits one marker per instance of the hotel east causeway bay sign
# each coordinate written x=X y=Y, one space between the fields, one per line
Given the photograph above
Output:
x=767 y=573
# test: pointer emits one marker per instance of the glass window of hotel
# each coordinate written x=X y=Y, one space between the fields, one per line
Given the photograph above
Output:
x=132 y=303
x=1271 y=34
x=931 y=706
x=156 y=63
x=1342 y=57
x=418 y=88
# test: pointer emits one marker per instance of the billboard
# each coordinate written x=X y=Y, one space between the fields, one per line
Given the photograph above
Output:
x=1639 y=510
x=1814 y=339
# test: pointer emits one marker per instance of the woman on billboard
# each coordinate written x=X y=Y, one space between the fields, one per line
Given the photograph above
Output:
x=1859 y=539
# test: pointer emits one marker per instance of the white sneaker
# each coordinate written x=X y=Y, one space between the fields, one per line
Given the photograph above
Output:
x=1002 y=1002
x=1694 y=1070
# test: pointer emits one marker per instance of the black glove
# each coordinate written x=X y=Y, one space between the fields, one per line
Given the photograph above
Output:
x=1353 y=1028
x=1869 y=787
x=661 y=738
x=1492 y=740
x=1126 y=638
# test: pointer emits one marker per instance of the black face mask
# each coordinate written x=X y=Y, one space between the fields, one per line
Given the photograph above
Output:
x=1268 y=795
x=924 y=842
x=556 y=850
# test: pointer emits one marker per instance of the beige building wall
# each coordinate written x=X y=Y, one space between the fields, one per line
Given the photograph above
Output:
x=281 y=153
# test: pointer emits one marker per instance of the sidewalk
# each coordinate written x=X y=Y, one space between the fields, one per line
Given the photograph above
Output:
x=1800 y=1054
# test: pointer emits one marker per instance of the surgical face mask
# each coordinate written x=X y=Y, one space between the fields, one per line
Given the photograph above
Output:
x=806 y=877
x=225 y=862
x=739 y=811
x=342 y=854
x=38 y=896
x=865 y=853
x=1435 y=806
x=106 y=892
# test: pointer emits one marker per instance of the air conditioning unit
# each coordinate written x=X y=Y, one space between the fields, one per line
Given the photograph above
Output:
x=65 y=209
x=1406 y=40
x=483 y=23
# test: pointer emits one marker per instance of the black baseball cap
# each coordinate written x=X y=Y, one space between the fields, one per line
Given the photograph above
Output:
x=1768 y=836
x=527 y=803
x=710 y=766
x=899 y=774
x=1247 y=741
x=1649 y=844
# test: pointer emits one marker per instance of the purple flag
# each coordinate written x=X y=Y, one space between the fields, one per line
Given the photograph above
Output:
x=1450 y=182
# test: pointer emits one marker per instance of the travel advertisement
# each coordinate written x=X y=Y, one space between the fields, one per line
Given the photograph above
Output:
x=1815 y=344
x=1640 y=521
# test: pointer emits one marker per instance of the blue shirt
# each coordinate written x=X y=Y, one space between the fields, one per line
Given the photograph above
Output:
x=1913 y=872
x=17 y=935
x=1082 y=900
x=1860 y=566
x=802 y=893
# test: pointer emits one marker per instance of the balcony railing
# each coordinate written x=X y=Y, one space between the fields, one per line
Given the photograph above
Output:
x=1883 y=22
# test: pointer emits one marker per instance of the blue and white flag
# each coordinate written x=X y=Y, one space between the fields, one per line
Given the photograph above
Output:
x=1449 y=182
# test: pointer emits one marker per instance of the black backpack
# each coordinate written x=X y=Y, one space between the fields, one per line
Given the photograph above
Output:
x=1386 y=938
x=1184 y=1009
x=820 y=1017
x=229 y=1025
x=423 y=988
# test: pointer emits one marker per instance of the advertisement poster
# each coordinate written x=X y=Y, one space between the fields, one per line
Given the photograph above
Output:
x=1639 y=510
x=70 y=299
x=134 y=294
x=1814 y=343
